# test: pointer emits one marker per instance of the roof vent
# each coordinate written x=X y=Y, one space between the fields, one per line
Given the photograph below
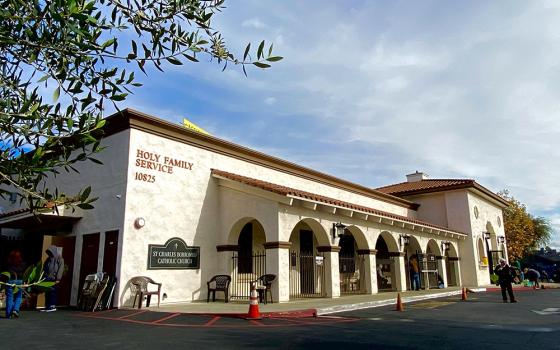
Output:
x=415 y=177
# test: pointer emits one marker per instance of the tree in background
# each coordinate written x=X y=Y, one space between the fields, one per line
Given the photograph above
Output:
x=524 y=232
x=62 y=61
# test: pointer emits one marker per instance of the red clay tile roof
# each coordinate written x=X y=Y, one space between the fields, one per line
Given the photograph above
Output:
x=14 y=212
x=404 y=189
x=288 y=191
x=429 y=185
x=48 y=205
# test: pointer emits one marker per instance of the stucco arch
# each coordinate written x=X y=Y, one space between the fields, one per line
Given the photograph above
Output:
x=319 y=232
x=258 y=230
x=413 y=246
x=433 y=247
x=493 y=237
x=389 y=239
x=359 y=237
x=452 y=252
x=481 y=250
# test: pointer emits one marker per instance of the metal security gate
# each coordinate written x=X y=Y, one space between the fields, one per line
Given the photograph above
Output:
x=246 y=269
x=307 y=275
x=429 y=271
x=351 y=274
x=450 y=266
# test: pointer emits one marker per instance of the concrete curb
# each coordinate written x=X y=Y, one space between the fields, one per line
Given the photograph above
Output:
x=380 y=303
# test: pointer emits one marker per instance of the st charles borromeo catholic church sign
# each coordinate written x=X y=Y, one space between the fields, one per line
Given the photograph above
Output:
x=173 y=255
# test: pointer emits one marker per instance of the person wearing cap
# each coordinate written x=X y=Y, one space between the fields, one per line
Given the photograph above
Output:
x=53 y=268
x=506 y=275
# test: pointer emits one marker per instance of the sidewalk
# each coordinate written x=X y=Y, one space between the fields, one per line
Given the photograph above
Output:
x=323 y=306
x=308 y=307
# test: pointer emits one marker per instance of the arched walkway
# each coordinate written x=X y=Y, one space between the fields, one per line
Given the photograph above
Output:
x=307 y=263
x=386 y=246
x=452 y=266
x=248 y=260
x=495 y=249
x=432 y=275
x=351 y=264
x=412 y=253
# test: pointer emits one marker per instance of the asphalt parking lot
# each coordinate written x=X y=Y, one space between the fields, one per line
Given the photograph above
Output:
x=447 y=323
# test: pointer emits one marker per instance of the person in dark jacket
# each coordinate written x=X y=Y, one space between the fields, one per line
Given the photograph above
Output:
x=533 y=276
x=505 y=277
x=53 y=268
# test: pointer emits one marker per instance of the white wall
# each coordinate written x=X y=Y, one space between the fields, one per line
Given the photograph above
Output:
x=455 y=210
x=432 y=208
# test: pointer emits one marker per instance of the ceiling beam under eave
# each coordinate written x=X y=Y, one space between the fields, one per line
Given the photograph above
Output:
x=391 y=222
x=344 y=212
x=309 y=205
x=326 y=209
x=359 y=215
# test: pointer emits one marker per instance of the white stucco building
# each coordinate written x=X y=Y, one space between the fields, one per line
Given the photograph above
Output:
x=250 y=213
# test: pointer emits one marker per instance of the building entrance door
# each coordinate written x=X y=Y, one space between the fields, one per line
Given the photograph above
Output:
x=110 y=253
x=68 y=245
x=307 y=271
x=90 y=252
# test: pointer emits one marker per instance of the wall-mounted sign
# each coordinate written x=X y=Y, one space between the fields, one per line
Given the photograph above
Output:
x=319 y=260
x=156 y=162
x=173 y=255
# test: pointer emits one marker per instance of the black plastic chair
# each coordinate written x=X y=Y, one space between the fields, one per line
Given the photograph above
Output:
x=218 y=283
x=264 y=286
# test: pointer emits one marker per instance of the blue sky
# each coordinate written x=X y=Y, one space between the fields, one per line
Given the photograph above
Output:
x=372 y=90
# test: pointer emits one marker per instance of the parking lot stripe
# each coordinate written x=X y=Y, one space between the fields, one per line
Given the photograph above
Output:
x=132 y=314
x=212 y=321
x=166 y=317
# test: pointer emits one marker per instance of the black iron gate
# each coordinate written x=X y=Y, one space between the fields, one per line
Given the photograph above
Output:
x=246 y=269
x=307 y=275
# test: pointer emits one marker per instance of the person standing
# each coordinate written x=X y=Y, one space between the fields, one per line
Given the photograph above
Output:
x=414 y=273
x=505 y=278
x=16 y=268
x=53 y=268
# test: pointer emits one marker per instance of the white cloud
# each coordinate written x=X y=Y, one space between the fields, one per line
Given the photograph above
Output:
x=253 y=23
x=456 y=89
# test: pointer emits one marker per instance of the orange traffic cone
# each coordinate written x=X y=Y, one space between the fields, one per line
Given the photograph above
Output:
x=464 y=294
x=254 y=313
x=400 y=306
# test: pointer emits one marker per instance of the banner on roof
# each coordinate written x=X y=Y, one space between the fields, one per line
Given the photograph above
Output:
x=189 y=125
